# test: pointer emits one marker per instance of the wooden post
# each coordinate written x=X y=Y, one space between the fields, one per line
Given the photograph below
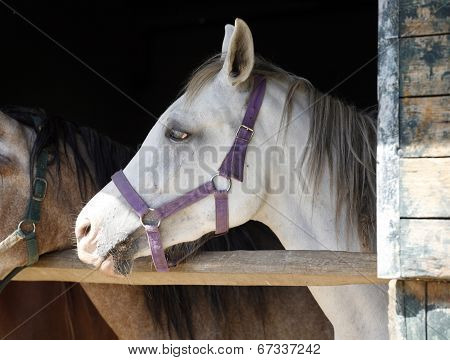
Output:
x=388 y=173
x=418 y=310
x=413 y=174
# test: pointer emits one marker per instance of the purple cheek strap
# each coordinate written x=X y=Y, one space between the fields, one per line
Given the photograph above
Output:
x=232 y=167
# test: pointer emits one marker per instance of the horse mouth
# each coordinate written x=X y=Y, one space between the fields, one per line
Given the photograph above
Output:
x=122 y=255
x=124 y=252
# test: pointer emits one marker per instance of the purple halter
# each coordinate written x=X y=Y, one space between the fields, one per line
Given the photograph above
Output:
x=232 y=167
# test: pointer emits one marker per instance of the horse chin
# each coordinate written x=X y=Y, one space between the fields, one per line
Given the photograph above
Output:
x=113 y=268
x=119 y=260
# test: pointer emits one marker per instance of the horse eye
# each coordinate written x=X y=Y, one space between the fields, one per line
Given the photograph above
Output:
x=177 y=135
x=4 y=160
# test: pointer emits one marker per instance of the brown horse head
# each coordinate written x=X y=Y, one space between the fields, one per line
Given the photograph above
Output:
x=72 y=175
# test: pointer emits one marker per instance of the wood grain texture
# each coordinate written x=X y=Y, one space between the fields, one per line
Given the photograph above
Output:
x=240 y=268
x=414 y=307
x=419 y=310
x=388 y=230
x=424 y=67
x=425 y=126
x=424 y=17
x=425 y=248
x=406 y=301
x=425 y=188
x=438 y=310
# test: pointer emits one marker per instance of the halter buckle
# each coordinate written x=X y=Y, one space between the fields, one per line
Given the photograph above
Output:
x=151 y=218
x=39 y=197
x=247 y=129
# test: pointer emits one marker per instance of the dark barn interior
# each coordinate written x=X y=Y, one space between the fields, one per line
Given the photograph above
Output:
x=147 y=51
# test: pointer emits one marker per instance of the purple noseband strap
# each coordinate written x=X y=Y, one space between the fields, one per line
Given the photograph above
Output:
x=151 y=218
x=131 y=196
x=232 y=167
x=141 y=208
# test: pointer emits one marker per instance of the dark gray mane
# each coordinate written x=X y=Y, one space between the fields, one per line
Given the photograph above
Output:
x=170 y=306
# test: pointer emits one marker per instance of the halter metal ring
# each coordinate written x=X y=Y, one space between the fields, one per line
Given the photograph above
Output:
x=19 y=227
x=214 y=184
x=151 y=218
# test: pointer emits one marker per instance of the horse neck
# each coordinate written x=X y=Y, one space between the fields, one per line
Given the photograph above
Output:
x=300 y=218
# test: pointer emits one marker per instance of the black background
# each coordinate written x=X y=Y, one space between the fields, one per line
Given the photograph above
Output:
x=148 y=49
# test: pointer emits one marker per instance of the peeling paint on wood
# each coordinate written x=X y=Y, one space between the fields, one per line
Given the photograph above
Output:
x=424 y=17
x=414 y=309
x=419 y=310
x=407 y=310
x=425 y=126
x=388 y=142
x=424 y=66
x=438 y=310
x=425 y=188
x=413 y=193
x=425 y=248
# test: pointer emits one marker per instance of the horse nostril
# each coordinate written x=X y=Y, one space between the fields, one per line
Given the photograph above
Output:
x=83 y=229
x=86 y=230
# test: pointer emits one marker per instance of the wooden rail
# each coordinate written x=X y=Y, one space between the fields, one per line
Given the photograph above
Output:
x=241 y=268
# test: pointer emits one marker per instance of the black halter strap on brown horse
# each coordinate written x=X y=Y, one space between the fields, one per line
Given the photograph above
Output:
x=26 y=229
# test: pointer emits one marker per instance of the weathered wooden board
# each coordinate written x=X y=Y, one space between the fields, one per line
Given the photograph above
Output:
x=424 y=66
x=414 y=307
x=424 y=17
x=438 y=310
x=425 y=248
x=388 y=219
x=425 y=188
x=413 y=175
x=419 y=310
x=425 y=126
x=241 y=268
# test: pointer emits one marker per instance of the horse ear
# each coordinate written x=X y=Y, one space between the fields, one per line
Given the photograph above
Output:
x=229 y=29
x=240 y=56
